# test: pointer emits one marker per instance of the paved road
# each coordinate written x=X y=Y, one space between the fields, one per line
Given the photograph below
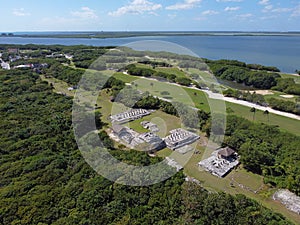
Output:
x=212 y=95
x=249 y=104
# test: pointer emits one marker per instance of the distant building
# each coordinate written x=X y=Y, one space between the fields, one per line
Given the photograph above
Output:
x=13 y=50
x=55 y=55
x=150 y=126
x=40 y=65
x=5 y=65
x=221 y=162
x=226 y=153
x=171 y=162
x=23 y=66
x=124 y=133
x=179 y=138
x=13 y=59
x=130 y=115
x=148 y=142
x=68 y=56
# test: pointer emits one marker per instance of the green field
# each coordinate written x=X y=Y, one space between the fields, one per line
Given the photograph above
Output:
x=278 y=95
x=125 y=78
x=192 y=97
x=58 y=85
x=205 y=77
x=172 y=70
x=198 y=99
x=284 y=123
x=165 y=123
x=295 y=77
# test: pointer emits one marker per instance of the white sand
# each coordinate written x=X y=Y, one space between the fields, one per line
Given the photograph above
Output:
x=287 y=96
x=262 y=92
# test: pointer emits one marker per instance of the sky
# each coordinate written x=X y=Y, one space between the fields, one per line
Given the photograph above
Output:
x=150 y=15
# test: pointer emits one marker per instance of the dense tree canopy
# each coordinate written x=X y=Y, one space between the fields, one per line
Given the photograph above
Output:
x=266 y=150
x=241 y=74
x=45 y=180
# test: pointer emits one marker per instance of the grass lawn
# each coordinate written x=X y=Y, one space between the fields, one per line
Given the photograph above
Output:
x=189 y=96
x=206 y=77
x=277 y=95
x=107 y=107
x=296 y=78
x=199 y=100
x=164 y=121
x=164 y=152
x=155 y=88
x=125 y=78
x=172 y=70
x=284 y=123
x=58 y=85
x=248 y=179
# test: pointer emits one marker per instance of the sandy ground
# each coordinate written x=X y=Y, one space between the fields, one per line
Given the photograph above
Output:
x=262 y=92
x=287 y=96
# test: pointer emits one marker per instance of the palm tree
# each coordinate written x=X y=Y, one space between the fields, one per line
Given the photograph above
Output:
x=266 y=112
x=253 y=110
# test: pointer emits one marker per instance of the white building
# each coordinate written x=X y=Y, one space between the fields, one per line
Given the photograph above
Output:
x=5 y=65
x=130 y=115
x=221 y=162
x=179 y=138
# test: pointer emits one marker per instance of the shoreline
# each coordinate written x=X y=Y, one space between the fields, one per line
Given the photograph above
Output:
x=124 y=34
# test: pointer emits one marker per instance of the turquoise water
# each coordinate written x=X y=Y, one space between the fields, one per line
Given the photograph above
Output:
x=280 y=51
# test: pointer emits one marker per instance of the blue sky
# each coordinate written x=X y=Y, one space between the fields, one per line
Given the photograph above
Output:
x=150 y=15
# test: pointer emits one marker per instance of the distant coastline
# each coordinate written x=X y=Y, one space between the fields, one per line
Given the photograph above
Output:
x=119 y=34
x=271 y=49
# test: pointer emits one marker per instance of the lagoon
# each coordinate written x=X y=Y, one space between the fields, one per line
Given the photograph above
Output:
x=280 y=51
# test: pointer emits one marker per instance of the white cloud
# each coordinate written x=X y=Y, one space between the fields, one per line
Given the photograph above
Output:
x=136 y=7
x=20 y=12
x=296 y=11
x=172 y=16
x=187 y=4
x=85 y=13
x=281 y=10
x=209 y=13
x=229 y=0
x=268 y=17
x=268 y=7
x=264 y=2
x=245 y=16
x=200 y=18
x=231 y=9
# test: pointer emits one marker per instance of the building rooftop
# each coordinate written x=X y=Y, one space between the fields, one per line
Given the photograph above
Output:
x=117 y=128
x=220 y=166
x=129 y=115
x=179 y=138
x=226 y=152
